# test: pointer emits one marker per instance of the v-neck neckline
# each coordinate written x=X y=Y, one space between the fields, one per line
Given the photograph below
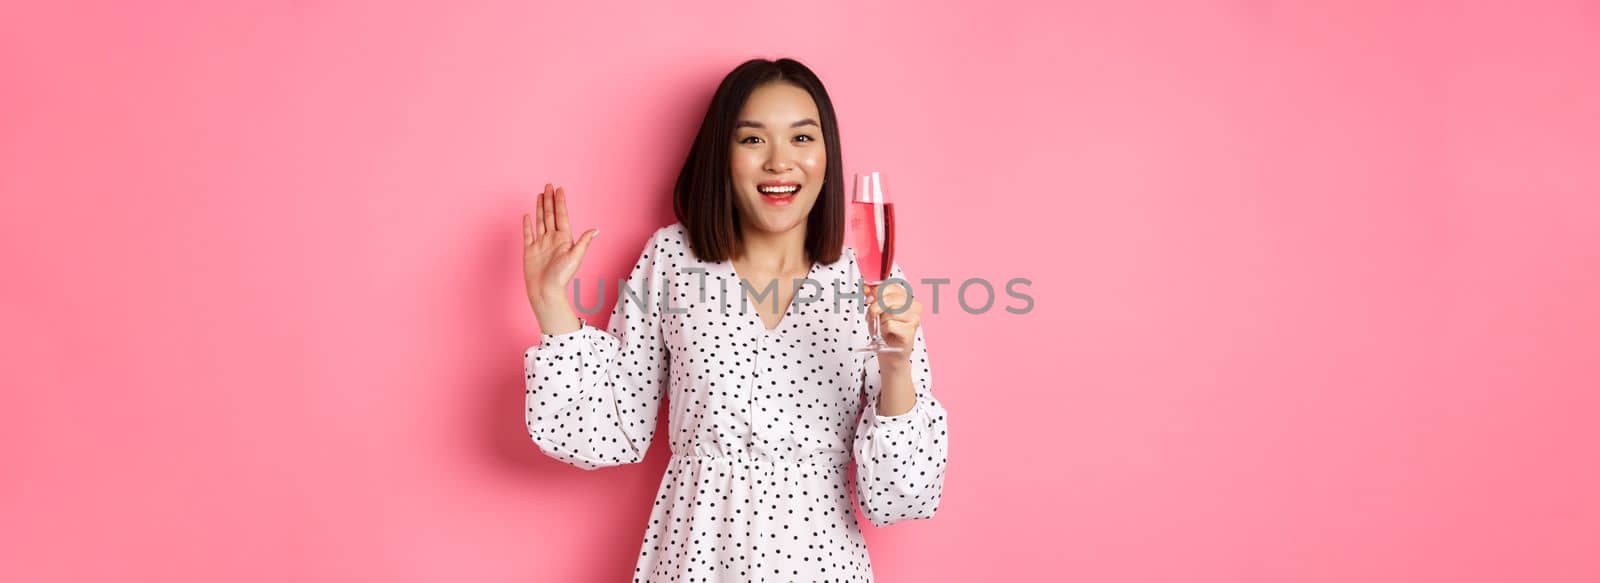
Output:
x=755 y=314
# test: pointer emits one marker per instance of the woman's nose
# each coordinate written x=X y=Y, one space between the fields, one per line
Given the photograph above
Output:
x=780 y=160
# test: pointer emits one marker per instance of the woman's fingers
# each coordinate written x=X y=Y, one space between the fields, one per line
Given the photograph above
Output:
x=527 y=229
x=891 y=298
x=895 y=311
x=582 y=246
x=547 y=204
x=561 y=211
x=538 y=216
x=912 y=313
x=903 y=330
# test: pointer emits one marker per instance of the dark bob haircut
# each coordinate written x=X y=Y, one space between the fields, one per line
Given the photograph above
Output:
x=703 y=199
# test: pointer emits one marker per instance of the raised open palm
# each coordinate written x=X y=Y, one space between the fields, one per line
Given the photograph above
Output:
x=550 y=257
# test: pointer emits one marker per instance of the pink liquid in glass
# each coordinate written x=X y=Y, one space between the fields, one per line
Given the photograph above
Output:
x=872 y=235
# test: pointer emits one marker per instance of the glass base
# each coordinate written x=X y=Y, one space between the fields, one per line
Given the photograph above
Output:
x=879 y=346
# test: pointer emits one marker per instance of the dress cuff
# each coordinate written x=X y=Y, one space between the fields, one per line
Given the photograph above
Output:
x=896 y=421
x=563 y=343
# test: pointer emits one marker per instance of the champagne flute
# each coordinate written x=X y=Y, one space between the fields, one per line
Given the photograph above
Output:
x=871 y=233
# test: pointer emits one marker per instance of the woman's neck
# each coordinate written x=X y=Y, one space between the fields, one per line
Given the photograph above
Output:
x=775 y=252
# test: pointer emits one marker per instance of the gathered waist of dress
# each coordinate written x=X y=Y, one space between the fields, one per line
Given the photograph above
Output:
x=836 y=459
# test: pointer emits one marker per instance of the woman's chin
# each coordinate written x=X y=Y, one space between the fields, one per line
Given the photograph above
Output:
x=779 y=224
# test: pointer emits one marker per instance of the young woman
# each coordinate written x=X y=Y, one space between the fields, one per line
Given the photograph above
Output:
x=769 y=407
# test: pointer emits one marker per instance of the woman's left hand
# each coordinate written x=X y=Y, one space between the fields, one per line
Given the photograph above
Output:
x=897 y=321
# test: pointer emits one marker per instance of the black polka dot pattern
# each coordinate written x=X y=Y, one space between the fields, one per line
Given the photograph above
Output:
x=765 y=426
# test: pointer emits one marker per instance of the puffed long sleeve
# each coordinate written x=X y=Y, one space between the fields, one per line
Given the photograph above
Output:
x=900 y=460
x=592 y=395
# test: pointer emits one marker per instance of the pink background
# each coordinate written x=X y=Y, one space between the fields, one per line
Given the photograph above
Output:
x=1317 y=287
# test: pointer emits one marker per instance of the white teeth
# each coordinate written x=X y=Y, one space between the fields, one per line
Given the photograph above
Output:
x=778 y=189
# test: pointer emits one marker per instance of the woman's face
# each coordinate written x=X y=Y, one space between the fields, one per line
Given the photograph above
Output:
x=777 y=144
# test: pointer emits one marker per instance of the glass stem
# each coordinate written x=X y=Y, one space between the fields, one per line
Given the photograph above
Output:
x=872 y=323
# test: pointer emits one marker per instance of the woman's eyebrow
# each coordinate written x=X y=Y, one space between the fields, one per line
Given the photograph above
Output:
x=745 y=123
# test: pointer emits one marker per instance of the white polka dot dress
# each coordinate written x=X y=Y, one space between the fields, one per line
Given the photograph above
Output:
x=764 y=425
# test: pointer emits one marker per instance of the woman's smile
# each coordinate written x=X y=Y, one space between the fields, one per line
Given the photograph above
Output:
x=778 y=193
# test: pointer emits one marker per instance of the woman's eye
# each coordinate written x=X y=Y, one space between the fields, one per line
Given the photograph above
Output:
x=754 y=140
